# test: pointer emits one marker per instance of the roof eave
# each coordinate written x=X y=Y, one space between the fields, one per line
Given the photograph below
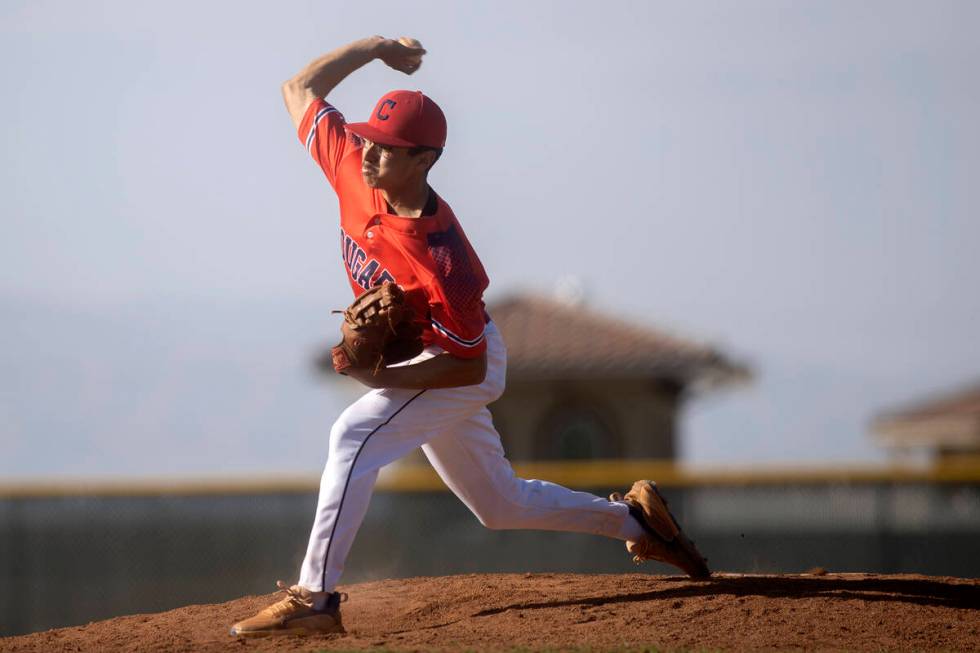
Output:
x=948 y=431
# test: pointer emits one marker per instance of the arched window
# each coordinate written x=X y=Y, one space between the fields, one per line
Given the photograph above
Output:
x=573 y=431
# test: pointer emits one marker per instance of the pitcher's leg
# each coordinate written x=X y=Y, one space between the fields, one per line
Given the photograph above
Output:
x=377 y=429
x=374 y=431
x=470 y=460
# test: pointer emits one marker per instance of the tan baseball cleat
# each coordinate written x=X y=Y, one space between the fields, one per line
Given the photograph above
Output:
x=294 y=615
x=664 y=540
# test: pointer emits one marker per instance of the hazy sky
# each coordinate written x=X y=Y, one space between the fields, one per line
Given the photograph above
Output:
x=795 y=182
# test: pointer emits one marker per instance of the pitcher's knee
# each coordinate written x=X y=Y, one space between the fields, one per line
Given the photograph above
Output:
x=500 y=512
x=346 y=427
x=494 y=521
x=339 y=429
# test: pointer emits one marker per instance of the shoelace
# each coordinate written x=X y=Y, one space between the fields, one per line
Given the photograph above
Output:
x=644 y=550
x=295 y=599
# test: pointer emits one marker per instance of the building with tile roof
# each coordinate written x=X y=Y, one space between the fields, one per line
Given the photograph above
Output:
x=941 y=427
x=581 y=384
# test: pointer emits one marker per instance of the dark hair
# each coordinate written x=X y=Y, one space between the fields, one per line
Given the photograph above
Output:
x=419 y=149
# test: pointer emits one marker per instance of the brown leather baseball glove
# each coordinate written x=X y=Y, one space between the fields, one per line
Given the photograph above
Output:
x=378 y=330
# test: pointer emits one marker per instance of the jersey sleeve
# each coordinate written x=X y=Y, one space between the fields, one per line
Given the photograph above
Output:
x=461 y=334
x=322 y=132
x=456 y=298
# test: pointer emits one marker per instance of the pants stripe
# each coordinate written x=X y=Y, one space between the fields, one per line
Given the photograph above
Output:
x=350 y=473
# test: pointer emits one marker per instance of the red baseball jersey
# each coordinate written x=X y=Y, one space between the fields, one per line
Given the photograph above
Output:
x=429 y=257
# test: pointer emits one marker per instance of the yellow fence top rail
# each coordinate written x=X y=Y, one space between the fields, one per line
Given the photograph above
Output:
x=605 y=475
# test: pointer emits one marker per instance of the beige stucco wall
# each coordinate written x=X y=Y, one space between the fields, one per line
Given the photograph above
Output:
x=640 y=415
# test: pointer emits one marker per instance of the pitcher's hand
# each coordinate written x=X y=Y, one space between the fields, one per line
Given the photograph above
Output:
x=404 y=55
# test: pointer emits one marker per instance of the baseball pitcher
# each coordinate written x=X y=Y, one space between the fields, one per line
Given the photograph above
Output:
x=419 y=336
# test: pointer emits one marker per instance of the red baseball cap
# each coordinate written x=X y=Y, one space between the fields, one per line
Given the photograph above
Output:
x=405 y=119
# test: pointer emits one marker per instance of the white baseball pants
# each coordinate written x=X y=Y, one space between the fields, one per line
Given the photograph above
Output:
x=455 y=431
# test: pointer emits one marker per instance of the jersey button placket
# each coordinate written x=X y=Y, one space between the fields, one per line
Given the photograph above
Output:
x=369 y=232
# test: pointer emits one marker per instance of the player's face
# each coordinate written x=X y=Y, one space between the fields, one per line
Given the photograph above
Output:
x=388 y=167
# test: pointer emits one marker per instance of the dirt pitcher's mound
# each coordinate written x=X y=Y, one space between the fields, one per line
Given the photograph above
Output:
x=856 y=612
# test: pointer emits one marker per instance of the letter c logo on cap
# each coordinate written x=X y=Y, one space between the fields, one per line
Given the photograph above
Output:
x=387 y=104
